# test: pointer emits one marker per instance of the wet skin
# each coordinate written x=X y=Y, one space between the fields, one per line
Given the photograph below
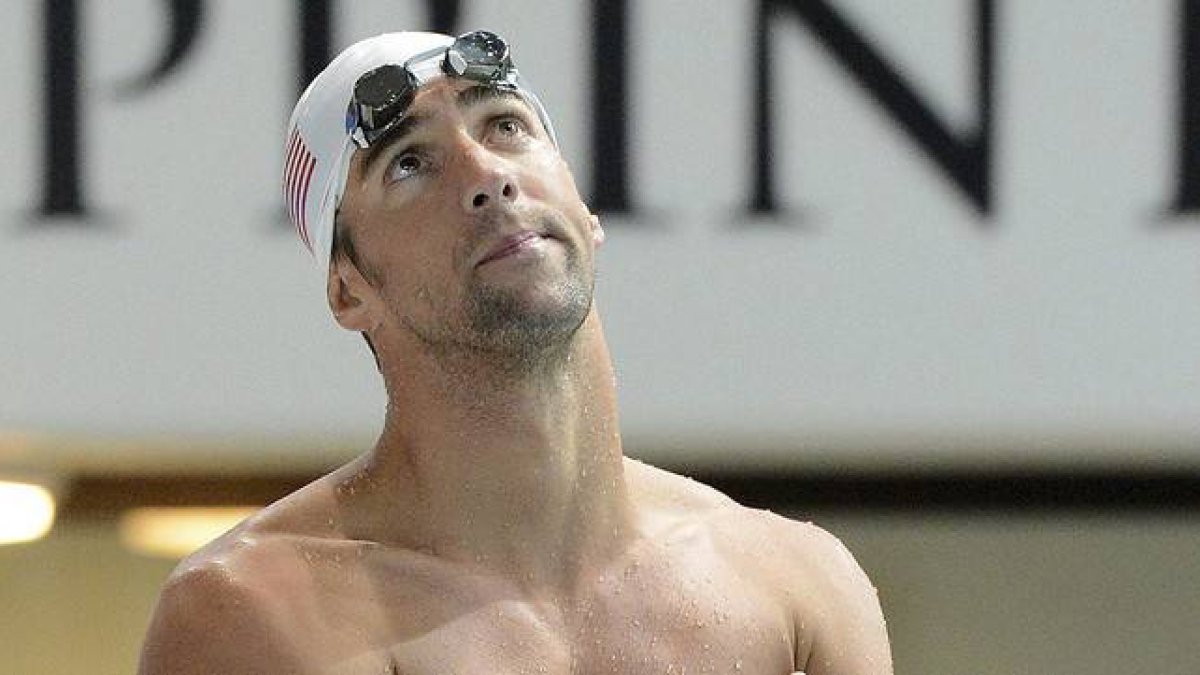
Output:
x=705 y=586
x=496 y=526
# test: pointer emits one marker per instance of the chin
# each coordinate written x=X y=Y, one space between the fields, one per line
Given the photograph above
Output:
x=531 y=316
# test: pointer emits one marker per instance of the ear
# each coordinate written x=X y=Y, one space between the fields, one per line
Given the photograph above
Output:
x=597 y=231
x=351 y=298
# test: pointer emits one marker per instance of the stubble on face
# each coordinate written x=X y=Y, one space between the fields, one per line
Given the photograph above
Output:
x=518 y=330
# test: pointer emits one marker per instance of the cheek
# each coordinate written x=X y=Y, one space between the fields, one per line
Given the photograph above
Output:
x=424 y=249
x=553 y=182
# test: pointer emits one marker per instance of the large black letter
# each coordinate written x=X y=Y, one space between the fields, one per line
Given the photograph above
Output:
x=445 y=15
x=315 y=40
x=186 y=19
x=62 y=178
x=610 y=128
x=965 y=160
x=1187 y=198
x=62 y=189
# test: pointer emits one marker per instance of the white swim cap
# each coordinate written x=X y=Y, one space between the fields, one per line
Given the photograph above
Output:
x=319 y=141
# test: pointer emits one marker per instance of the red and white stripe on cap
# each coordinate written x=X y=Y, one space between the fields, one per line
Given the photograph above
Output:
x=297 y=178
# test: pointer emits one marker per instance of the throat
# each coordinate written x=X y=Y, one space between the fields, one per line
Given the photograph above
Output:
x=529 y=512
x=519 y=473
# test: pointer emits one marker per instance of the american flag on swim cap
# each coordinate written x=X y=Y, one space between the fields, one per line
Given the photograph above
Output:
x=297 y=178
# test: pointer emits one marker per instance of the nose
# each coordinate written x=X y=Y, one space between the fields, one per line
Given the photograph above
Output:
x=491 y=183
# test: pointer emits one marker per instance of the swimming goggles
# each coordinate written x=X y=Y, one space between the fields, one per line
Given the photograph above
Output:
x=382 y=95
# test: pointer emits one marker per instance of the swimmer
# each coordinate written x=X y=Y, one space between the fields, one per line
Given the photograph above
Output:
x=495 y=525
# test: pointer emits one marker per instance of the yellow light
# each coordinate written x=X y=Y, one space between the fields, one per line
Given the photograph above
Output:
x=173 y=532
x=26 y=512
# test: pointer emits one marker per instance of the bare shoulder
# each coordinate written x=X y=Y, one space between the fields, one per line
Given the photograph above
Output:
x=224 y=608
x=839 y=625
x=755 y=539
x=213 y=616
x=672 y=496
x=655 y=488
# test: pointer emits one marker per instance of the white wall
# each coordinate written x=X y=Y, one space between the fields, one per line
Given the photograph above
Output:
x=880 y=320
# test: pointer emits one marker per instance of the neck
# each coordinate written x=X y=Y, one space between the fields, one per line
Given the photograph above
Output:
x=519 y=472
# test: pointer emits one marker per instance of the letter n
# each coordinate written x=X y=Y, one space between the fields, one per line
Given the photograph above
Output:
x=963 y=158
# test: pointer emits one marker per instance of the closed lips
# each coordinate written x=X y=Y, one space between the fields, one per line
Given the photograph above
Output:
x=510 y=244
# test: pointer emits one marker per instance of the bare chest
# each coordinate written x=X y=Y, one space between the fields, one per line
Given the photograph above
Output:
x=655 y=617
x=515 y=638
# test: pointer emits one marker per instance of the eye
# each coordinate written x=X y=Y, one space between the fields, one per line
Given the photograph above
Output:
x=405 y=165
x=510 y=127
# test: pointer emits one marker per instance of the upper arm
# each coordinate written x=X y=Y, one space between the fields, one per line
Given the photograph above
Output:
x=843 y=624
x=206 y=622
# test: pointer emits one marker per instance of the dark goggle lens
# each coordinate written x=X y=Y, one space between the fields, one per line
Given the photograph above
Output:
x=382 y=95
x=382 y=86
x=482 y=48
x=480 y=56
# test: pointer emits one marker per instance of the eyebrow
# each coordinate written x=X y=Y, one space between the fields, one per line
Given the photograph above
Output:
x=403 y=129
x=409 y=124
x=482 y=93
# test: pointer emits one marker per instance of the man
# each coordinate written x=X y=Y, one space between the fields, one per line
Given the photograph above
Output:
x=495 y=526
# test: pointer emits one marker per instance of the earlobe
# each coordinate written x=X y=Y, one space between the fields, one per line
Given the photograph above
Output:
x=347 y=292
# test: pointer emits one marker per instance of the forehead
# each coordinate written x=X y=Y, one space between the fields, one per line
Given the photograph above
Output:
x=438 y=93
x=452 y=93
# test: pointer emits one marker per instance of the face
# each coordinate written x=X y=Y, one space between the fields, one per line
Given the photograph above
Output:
x=468 y=227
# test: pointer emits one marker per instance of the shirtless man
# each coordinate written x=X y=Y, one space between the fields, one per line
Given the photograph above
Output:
x=495 y=527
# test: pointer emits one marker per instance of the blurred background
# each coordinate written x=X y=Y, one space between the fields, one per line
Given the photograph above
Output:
x=926 y=273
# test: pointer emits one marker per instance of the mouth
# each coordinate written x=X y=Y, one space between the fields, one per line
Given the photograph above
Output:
x=514 y=244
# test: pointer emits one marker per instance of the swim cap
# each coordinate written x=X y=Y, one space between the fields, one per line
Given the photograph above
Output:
x=319 y=142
